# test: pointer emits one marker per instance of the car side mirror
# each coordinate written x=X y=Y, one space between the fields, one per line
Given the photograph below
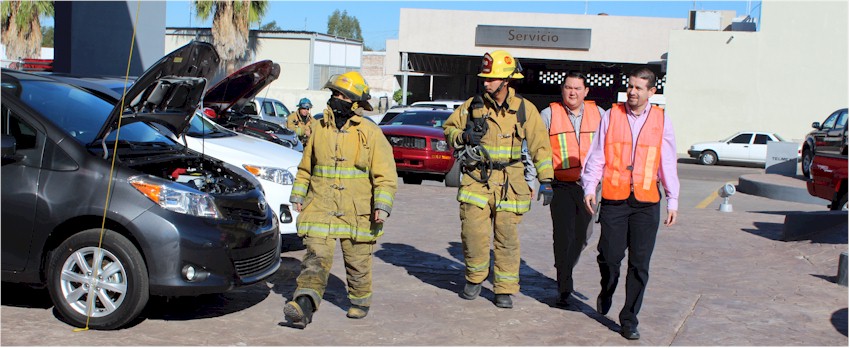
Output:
x=816 y=125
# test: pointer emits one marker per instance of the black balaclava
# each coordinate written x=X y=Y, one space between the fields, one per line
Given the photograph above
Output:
x=342 y=111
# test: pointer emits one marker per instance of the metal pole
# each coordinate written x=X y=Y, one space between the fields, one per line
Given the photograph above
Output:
x=431 y=89
x=404 y=68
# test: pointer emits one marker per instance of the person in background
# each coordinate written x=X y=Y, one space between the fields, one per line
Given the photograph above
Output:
x=300 y=121
x=572 y=123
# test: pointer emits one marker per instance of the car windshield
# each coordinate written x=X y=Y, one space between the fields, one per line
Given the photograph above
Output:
x=80 y=113
x=202 y=127
x=421 y=118
x=280 y=109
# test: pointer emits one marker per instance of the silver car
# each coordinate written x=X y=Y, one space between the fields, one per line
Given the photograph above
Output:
x=268 y=109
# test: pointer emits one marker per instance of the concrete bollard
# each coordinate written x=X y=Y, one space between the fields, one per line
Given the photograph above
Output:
x=842 y=269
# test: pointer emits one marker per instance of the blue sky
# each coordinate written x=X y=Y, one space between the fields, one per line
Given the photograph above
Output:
x=379 y=19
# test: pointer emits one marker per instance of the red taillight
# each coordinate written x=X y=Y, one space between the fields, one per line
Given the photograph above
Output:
x=210 y=113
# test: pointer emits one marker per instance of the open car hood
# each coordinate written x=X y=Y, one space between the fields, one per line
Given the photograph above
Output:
x=235 y=90
x=168 y=92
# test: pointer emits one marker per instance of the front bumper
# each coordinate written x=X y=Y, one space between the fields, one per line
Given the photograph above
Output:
x=277 y=196
x=422 y=161
x=224 y=253
x=694 y=153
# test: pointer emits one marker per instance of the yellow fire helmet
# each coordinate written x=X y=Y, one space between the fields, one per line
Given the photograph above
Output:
x=353 y=86
x=500 y=64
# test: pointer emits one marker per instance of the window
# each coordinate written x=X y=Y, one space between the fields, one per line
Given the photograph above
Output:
x=249 y=109
x=742 y=139
x=761 y=139
x=268 y=108
x=25 y=135
x=842 y=120
x=281 y=110
x=830 y=121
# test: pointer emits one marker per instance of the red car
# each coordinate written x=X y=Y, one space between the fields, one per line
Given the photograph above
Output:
x=828 y=160
x=420 y=149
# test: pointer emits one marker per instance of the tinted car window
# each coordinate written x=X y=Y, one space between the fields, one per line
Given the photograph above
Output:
x=842 y=120
x=76 y=111
x=741 y=139
x=249 y=109
x=761 y=139
x=830 y=121
x=421 y=118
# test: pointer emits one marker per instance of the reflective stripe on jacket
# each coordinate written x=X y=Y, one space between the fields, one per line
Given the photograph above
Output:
x=503 y=142
x=343 y=177
x=568 y=154
x=621 y=173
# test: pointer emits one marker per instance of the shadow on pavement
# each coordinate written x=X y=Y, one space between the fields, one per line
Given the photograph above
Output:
x=769 y=230
x=19 y=295
x=447 y=274
x=283 y=283
x=430 y=268
x=839 y=321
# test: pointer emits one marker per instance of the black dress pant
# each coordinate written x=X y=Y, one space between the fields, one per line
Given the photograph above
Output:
x=632 y=225
x=570 y=230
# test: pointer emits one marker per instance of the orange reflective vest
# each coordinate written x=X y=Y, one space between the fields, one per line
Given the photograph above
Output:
x=568 y=153
x=622 y=174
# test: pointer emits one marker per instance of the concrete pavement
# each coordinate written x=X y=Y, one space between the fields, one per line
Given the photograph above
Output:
x=716 y=279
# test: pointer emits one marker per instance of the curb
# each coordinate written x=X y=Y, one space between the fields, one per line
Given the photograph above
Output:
x=749 y=184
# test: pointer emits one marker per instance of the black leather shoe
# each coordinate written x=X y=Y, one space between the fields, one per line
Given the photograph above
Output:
x=503 y=301
x=629 y=333
x=470 y=291
x=603 y=304
x=568 y=302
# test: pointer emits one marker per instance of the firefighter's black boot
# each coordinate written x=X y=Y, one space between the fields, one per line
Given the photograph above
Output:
x=299 y=311
x=470 y=291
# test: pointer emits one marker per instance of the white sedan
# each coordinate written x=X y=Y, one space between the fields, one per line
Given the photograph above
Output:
x=274 y=165
x=747 y=146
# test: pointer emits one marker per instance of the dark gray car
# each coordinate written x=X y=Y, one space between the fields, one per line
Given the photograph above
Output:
x=175 y=222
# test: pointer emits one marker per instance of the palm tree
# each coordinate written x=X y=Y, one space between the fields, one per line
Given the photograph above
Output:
x=231 y=20
x=20 y=27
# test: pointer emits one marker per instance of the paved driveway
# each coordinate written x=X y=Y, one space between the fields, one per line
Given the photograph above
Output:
x=716 y=279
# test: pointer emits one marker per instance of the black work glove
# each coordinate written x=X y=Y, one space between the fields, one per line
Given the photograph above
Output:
x=546 y=192
x=472 y=137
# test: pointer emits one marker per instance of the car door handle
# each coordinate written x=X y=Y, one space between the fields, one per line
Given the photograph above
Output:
x=746 y=145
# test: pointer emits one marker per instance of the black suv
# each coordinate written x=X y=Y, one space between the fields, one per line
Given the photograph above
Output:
x=827 y=138
x=175 y=222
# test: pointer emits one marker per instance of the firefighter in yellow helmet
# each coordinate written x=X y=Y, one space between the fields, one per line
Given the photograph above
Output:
x=488 y=131
x=301 y=121
x=344 y=191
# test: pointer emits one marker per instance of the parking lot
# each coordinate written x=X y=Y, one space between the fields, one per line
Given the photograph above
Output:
x=716 y=279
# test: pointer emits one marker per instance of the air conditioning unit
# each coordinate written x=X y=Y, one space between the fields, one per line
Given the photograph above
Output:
x=705 y=20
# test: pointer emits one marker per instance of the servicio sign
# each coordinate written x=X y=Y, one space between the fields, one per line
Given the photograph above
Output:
x=535 y=37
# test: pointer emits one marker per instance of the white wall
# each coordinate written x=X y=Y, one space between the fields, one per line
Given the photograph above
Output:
x=781 y=79
x=613 y=38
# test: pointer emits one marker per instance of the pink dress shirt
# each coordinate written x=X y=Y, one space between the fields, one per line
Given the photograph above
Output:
x=595 y=162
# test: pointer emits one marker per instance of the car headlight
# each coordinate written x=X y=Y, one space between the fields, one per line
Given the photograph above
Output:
x=277 y=175
x=439 y=145
x=176 y=197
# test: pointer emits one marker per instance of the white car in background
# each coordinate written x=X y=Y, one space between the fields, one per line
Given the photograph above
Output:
x=448 y=104
x=746 y=146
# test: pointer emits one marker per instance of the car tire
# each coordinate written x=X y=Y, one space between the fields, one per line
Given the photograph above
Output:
x=708 y=158
x=412 y=179
x=453 y=176
x=806 y=163
x=123 y=272
x=840 y=204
